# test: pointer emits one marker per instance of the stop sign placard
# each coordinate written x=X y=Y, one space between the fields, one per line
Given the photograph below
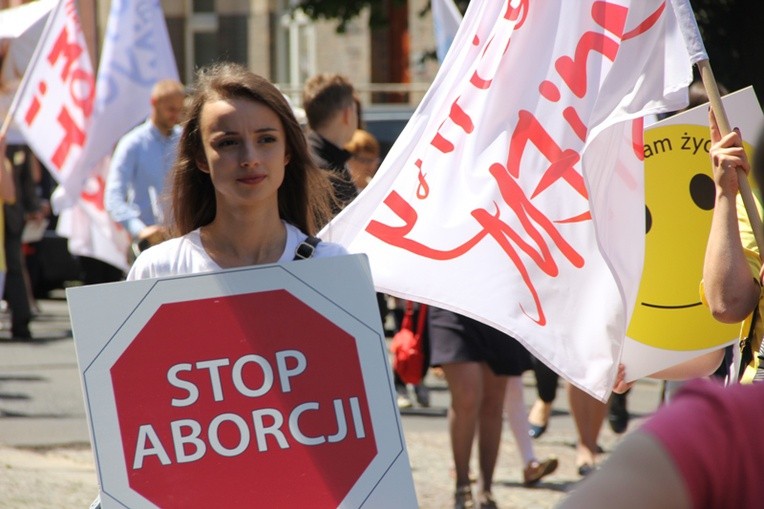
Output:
x=265 y=386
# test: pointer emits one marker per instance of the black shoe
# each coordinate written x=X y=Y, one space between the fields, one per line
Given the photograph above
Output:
x=618 y=415
x=536 y=431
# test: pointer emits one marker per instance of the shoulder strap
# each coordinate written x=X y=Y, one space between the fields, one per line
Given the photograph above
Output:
x=306 y=248
x=422 y=319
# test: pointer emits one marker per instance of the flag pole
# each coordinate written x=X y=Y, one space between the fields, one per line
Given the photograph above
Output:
x=714 y=98
x=6 y=124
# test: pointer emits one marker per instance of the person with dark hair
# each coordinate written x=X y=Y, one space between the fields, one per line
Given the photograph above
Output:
x=331 y=106
x=25 y=207
x=244 y=189
x=477 y=361
x=7 y=195
x=546 y=390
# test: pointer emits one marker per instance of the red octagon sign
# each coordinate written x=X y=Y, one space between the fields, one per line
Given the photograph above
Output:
x=251 y=398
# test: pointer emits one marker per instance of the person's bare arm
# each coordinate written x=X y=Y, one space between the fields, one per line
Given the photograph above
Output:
x=730 y=289
x=639 y=474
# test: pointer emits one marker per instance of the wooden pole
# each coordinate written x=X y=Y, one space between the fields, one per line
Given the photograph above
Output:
x=714 y=98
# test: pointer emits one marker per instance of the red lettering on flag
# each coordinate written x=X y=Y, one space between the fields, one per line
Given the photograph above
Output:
x=647 y=24
x=396 y=235
x=611 y=17
x=73 y=135
x=70 y=51
x=83 y=101
x=529 y=129
x=515 y=13
x=96 y=195
x=573 y=70
x=423 y=189
x=574 y=121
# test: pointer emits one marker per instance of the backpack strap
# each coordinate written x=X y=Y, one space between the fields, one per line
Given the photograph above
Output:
x=306 y=248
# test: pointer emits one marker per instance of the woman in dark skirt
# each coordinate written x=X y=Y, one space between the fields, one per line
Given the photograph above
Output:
x=477 y=361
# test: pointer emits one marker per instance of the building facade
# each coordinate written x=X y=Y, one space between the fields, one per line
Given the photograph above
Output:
x=387 y=64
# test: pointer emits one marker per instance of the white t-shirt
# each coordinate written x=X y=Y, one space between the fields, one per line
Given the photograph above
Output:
x=186 y=255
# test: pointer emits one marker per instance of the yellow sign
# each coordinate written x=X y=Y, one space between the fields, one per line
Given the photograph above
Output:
x=679 y=199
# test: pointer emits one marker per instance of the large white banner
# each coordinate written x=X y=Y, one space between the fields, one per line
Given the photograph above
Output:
x=515 y=193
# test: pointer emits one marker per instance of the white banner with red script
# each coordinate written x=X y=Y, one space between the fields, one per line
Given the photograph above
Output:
x=265 y=385
x=515 y=193
x=54 y=103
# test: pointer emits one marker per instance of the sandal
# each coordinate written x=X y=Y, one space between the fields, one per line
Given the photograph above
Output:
x=487 y=501
x=463 y=498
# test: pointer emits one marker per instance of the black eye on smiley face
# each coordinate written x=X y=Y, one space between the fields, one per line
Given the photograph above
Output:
x=702 y=192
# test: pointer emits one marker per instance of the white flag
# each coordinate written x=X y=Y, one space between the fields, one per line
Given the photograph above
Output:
x=54 y=103
x=136 y=55
x=90 y=230
x=20 y=29
x=515 y=193
x=16 y=21
x=446 y=18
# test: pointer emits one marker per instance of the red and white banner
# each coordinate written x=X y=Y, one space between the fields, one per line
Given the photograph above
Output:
x=136 y=55
x=515 y=193
x=54 y=103
x=90 y=230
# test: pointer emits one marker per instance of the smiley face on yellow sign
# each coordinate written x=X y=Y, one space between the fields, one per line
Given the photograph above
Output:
x=679 y=200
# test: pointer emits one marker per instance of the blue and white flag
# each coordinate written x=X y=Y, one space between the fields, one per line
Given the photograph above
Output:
x=446 y=18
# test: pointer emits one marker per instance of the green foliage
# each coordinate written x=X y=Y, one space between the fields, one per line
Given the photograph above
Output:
x=343 y=11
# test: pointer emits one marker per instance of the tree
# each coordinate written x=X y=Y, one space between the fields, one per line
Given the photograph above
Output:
x=343 y=11
x=734 y=40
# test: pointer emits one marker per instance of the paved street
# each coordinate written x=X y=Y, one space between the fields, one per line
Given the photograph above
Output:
x=45 y=460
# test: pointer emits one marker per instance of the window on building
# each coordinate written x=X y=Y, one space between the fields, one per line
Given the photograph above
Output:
x=204 y=5
x=295 y=58
x=201 y=35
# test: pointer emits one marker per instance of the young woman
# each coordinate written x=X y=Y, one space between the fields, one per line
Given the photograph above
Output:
x=244 y=190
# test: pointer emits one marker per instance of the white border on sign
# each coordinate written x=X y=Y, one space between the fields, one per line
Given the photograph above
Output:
x=107 y=443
